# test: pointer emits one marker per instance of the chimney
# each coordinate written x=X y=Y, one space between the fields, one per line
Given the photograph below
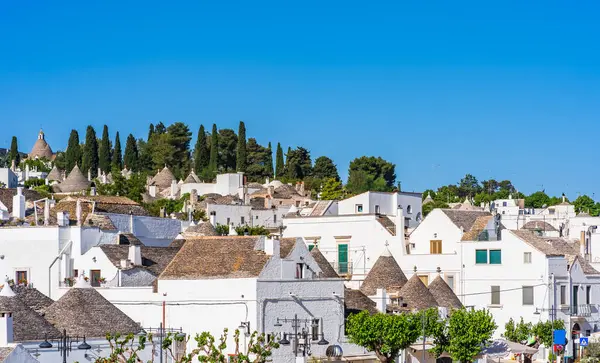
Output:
x=27 y=171
x=62 y=219
x=272 y=247
x=131 y=222
x=193 y=196
x=46 y=212
x=174 y=188
x=267 y=181
x=582 y=244
x=19 y=204
x=381 y=300
x=135 y=255
x=270 y=190
x=564 y=198
x=399 y=221
x=6 y=328
x=152 y=190
x=269 y=202
x=89 y=175
x=78 y=212
x=162 y=212
x=93 y=191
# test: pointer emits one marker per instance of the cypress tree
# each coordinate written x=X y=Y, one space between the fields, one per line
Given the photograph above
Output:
x=214 y=149
x=14 y=151
x=117 y=158
x=279 y=166
x=241 y=148
x=104 y=151
x=150 y=132
x=89 y=160
x=269 y=165
x=131 y=154
x=201 y=155
x=73 y=153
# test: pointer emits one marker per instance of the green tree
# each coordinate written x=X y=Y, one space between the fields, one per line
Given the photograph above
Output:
x=241 y=148
x=201 y=154
x=269 y=165
x=159 y=129
x=258 y=159
x=543 y=330
x=517 y=332
x=279 y=164
x=325 y=169
x=537 y=200
x=227 y=150
x=89 y=160
x=104 y=151
x=332 y=190
x=214 y=149
x=73 y=153
x=436 y=204
x=364 y=173
x=584 y=203
x=117 y=157
x=299 y=163
x=144 y=156
x=179 y=137
x=60 y=161
x=468 y=331
x=468 y=186
x=384 y=334
x=150 y=132
x=131 y=157
x=14 y=151
x=447 y=194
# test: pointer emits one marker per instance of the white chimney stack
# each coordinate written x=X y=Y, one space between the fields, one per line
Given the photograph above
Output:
x=19 y=204
x=381 y=300
x=213 y=219
x=89 y=175
x=399 y=221
x=62 y=219
x=272 y=247
x=93 y=191
x=78 y=211
x=6 y=328
x=135 y=255
x=174 y=188
x=46 y=212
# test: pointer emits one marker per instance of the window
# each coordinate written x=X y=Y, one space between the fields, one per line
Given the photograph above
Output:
x=75 y=273
x=588 y=294
x=310 y=247
x=95 y=278
x=242 y=220
x=495 y=257
x=551 y=210
x=359 y=208
x=377 y=209
x=274 y=218
x=527 y=295
x=228 y=221
x=409 y=209
x=495 y=295
x=481 y=256
x=343 y=258
x=563 y=295
x=315 y=329
x=299 y=270
x=256 y=217
x=504 y=204
x=435 y=247
x=575 y=301
x=450 y=281
x=424 y=279
x=527 y=257
x=21 y=277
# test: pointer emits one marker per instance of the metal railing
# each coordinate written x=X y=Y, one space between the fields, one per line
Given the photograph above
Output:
x=343 y=268
x=584 y=310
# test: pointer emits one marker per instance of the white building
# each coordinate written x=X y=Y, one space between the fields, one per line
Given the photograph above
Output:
x=226 y=184
x=8 y=178
x=386 y=204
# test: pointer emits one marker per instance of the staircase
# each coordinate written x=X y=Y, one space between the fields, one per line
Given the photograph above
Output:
x=387 y=223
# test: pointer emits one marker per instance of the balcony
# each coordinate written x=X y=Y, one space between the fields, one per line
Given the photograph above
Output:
x=582 y=311
x=343 y=268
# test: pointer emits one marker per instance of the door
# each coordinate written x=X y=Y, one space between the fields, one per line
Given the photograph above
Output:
x=343 y=258
x=95 y=278
x=575 y=302
x=376 y=209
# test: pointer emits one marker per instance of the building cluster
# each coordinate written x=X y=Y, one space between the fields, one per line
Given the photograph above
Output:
x=81 y=265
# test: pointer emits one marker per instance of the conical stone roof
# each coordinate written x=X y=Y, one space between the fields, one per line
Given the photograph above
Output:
x=416 y=295
x=200 y=229
x=75 y=182
x=55 y=174
x=27 y=324
x=82 y=311
x=41 y=149
x=385 y=274
x=327 y=270
x=164 y=178
x=443 y=294
x=33 y=298
x=192 y=178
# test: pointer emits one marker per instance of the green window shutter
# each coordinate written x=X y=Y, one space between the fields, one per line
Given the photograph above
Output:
x=481 y=256
x=310 y=247
x=495 y=257
x=342 y=258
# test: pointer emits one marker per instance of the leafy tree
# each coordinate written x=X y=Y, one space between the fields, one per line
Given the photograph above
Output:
x=279 y=164
x=36 y=164
x=427 y=208
x=543 y=330
x=201 y=154
x=104 y=151
x=365 y=171
x=144 y=156
x=507 y=186
x=90 y=152
x=584 y=203
x=227 y=150
x=258 y=159
x=468 y=186
x=150 y=132
x=214 y=149
x=299 y=164
x=490 y=186
x=325 y=168
x=222 y=229
x=73 y=153
x=131 y=157
x=60 y=161
x=537 y=200
x=429 y=192
x=332 y=190
x=132 y=188
x=117 y=157
x=483 y=197
x=14 y=151
x=385 y=335
x=517 y=332
x=447 y=194
x=160 y=128
x=468 y=331
x=179 y=137
x=241 y=148
x=252 y=231
x=269 y=166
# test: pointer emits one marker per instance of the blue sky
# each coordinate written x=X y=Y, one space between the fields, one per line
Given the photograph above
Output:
x=508 y=90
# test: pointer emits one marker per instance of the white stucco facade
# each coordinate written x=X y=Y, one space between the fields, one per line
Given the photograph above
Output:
x=384 y=203
x=8 y=178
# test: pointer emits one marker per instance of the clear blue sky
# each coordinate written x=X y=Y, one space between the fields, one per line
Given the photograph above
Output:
x=441 y=88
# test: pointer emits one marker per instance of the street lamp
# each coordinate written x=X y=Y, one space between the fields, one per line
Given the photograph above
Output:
x=302 y=339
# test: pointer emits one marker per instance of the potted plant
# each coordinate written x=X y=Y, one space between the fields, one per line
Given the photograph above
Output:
x=102 y=281
x=22 y=282
x=69 y=281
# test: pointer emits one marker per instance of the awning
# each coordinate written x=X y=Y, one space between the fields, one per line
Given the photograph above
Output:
x=502 y=348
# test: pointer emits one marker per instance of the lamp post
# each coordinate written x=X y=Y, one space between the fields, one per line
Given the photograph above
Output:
x=65 y=345
x=302 y=339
